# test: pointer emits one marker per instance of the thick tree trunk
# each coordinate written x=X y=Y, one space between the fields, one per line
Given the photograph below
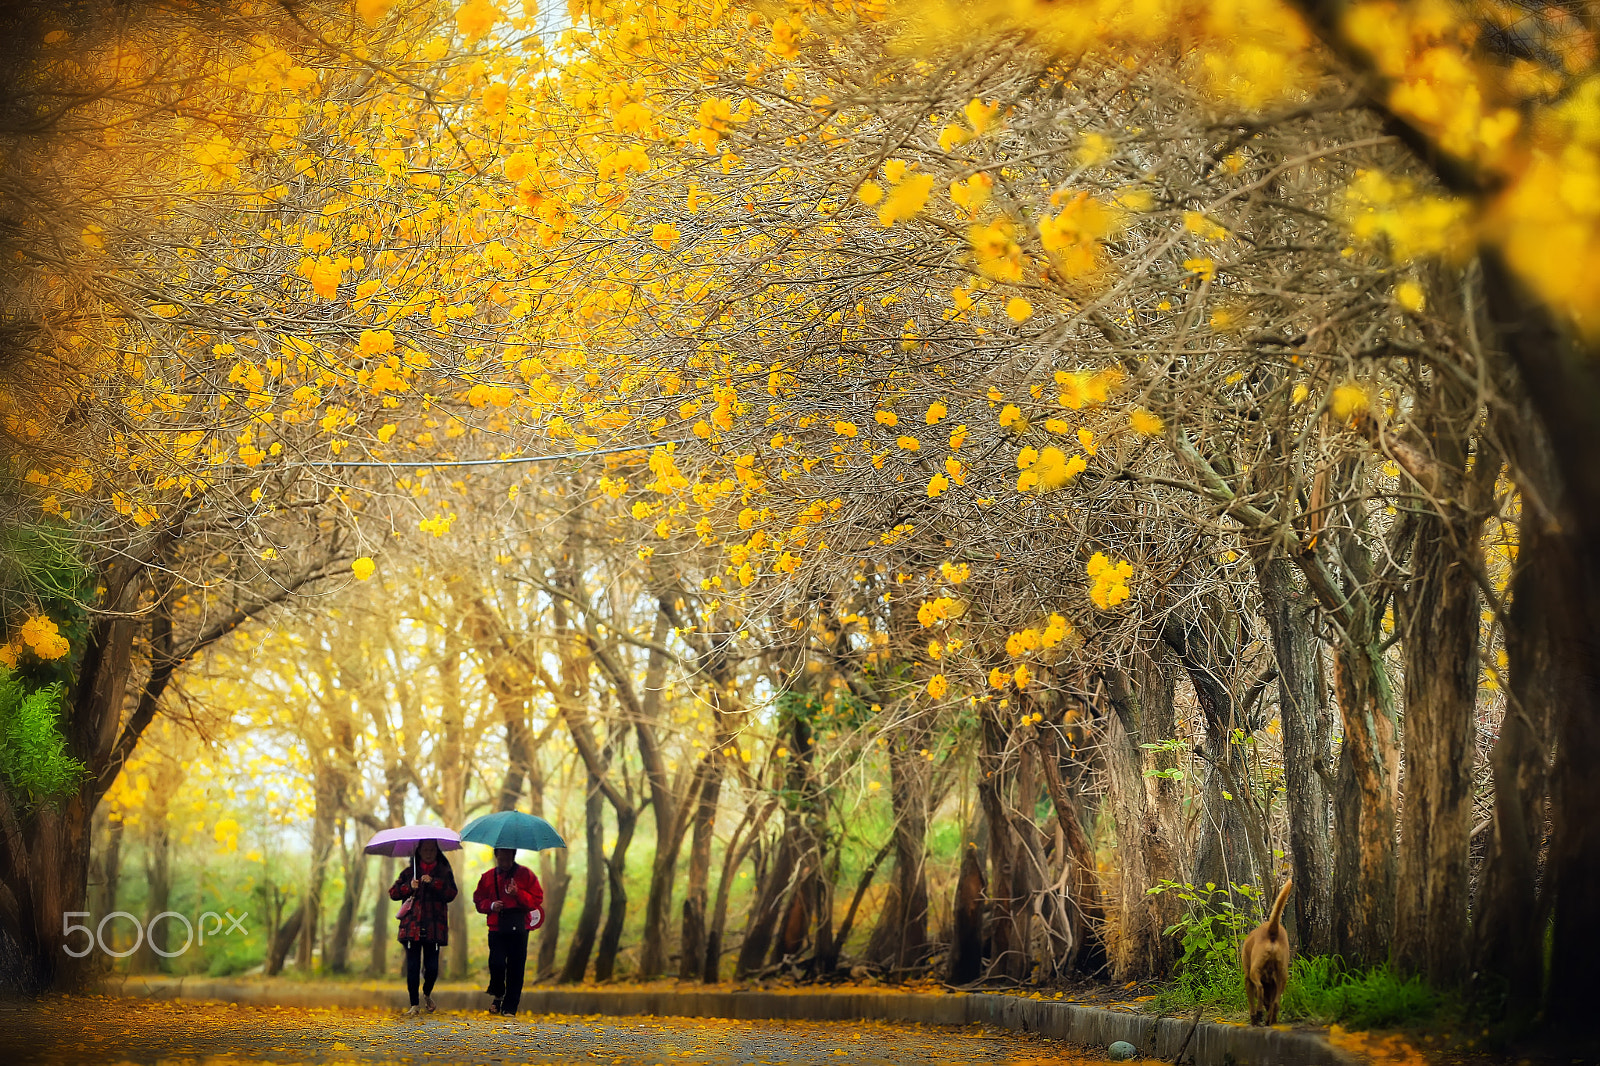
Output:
x=653 y=947
x=1440 y=615
x=594 y=887
x=769 y=933
x=1364 y=870
x=1307 y=751
x=825 y=953
x=395 y=798
x=1509 y=921
x=519 y=749
x=1145 y=856
x=1563 y=379
x=45 y=872
x=1145 y=859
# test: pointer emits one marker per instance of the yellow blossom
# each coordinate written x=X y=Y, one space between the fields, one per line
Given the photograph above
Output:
x=1144 y=423
x=1349 y=400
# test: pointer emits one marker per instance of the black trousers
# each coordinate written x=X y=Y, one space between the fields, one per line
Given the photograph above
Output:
x=422 y=959
x=508 y=958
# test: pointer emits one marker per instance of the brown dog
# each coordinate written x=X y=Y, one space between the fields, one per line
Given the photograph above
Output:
x=1265 y=954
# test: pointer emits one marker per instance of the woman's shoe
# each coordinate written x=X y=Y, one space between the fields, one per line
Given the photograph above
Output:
x=411 y=1011
x=494 y=1008
x=428 y=1005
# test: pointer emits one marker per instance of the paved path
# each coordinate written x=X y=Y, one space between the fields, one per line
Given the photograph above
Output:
x=106 y=1031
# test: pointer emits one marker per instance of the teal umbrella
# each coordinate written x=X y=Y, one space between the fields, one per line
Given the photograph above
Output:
x=513 y=829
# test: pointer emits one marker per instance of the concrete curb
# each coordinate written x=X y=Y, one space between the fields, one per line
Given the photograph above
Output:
x=1155 y=1037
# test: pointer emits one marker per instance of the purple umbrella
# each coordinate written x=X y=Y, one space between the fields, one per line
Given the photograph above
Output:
x=403 y=841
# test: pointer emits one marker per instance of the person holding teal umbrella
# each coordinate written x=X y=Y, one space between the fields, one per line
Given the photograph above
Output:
x=511 y=896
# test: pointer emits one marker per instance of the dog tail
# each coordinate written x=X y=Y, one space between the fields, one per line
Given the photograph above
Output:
x=1274 y=922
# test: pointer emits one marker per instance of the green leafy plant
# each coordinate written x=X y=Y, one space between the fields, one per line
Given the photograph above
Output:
x=1174 y=747
x=33 y=753
x=1210 y=930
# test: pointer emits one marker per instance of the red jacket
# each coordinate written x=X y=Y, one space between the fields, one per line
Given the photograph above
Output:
x=520 y=893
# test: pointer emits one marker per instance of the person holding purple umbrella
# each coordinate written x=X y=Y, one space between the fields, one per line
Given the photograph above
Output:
x=427 y=886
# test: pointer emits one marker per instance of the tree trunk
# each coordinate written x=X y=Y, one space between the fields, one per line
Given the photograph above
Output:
x=158 y=875
x=1307 y=751
x=658 y=900
x=746 y=836
x=1232 y=848
x=321 y=847
x=796 y=925
x=1364 y=871
x=110 y=869
x=825 y=954
x=287 y=935
x=1144 y=797
x=1079 y=906
x=1440 y=615
x=1509 y=922
x=1007 y=935
x=966 y=945
x=46 y=869
x=395 y=790
x=519 y=748
x=692 y=960
x=378 y=962
x=768 y=917
x=664 y=807
x=452 y=769
x=605 y=962
x=908 y=797
x=767 y=909
x=1563 y=379
x=355 y=877
x=594 y=887
x=556 y=881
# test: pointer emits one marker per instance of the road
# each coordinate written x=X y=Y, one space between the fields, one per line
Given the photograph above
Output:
x=103 y=1031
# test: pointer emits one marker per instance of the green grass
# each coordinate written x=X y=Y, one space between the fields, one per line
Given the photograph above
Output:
x=1321 y=991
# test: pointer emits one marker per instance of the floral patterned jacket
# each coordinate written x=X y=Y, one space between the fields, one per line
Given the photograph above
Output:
x=428 y=916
